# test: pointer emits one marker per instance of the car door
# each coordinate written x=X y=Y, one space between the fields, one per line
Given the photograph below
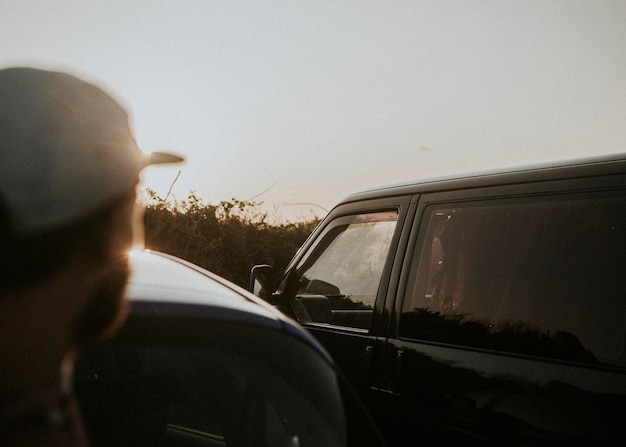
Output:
x=338 y=285
x=511 y=319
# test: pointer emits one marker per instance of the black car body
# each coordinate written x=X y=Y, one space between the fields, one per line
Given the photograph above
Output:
x=202 y=362
x=484 y=309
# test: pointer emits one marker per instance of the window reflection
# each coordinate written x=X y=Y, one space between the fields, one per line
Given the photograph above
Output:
x=543 y=279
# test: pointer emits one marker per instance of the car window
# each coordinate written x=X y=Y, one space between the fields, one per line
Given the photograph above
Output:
x=543 y=278
x=241 y=387
x=339 y=282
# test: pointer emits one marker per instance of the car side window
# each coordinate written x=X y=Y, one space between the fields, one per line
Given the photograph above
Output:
x=544 y=278
x=224 y=391
x=339 y=281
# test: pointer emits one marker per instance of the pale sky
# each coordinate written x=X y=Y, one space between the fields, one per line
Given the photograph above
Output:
x=314 y=100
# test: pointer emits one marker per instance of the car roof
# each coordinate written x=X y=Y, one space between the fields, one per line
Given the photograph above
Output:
x=161 y=278
x=553 y=170
x=155 y=275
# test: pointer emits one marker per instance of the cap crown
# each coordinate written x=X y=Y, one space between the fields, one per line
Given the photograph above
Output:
x=66 y=148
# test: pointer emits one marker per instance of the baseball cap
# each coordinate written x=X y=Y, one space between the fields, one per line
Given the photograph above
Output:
x=66 y=149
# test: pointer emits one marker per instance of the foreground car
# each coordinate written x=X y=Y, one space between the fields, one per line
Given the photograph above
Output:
x=201 y=362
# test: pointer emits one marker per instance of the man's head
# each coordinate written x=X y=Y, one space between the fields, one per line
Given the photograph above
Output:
x=69 y=166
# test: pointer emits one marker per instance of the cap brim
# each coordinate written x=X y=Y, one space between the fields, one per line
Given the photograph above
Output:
x=157 y=158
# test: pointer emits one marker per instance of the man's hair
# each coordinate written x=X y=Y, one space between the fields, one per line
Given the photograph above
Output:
x=33 y=259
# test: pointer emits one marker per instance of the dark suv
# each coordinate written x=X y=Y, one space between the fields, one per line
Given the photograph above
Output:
x=484 y=309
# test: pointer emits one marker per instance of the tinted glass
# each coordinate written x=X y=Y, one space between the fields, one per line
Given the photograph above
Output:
x=544 y=278
x=236 y=386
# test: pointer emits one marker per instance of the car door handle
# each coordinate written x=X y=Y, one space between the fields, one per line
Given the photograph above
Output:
x=397 y=371
x=367 y=364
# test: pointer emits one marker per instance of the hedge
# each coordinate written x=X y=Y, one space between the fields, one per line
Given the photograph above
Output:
x=227 y=238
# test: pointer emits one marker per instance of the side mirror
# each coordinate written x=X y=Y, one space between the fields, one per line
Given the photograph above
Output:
x=261 y=280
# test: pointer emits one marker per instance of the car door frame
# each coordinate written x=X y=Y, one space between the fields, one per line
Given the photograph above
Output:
x=359 y=352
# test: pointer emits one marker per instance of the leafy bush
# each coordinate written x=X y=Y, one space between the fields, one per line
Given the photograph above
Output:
x=227 y=238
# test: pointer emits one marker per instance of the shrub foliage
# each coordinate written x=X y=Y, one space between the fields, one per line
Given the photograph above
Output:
x=227 y=238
